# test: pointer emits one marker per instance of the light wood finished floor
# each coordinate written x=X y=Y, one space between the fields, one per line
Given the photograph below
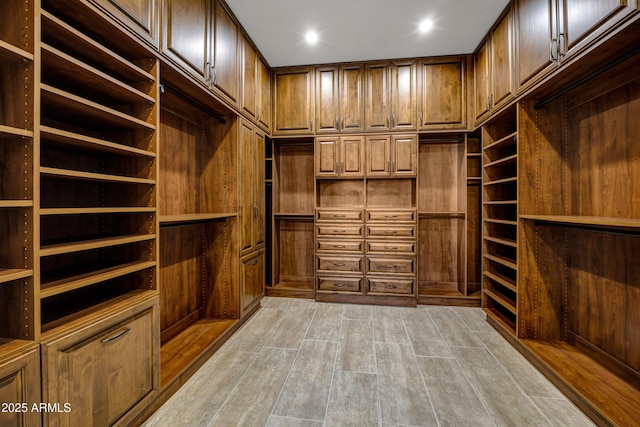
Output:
x=302 y=363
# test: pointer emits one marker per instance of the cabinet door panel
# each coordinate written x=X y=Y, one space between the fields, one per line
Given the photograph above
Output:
x=351 y=99
x=249 y=79
x=326 y=156
x=141 y=16
x=225 y=56
x=247 y=186
x=259 y=195
x=481 y=61
x=293 y=101
x=264 y=96
x=378 y=155
x=252 y=281
x=352 y=156
x=404 y=155
x=185 y=34
x=537 y=27
x=376 y=98
x=501 y=62
x=20 y=383
x=403 y=96
x=327 y=99
x=443 y=95
x=583 y=18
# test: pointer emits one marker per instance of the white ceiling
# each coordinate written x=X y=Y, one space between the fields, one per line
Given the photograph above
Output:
x=357 y=30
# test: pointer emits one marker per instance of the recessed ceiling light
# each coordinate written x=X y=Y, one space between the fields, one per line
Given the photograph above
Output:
x=425 y=26
x=311 y=37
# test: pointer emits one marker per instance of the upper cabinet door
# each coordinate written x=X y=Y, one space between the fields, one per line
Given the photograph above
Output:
x=404 y=155
x=583 y=21
x=377 y=97
x=141 y=16
x=293 y=101
x=537 y=41
x=327 y=99
x=186 y=35
x=351 y=98
x=443 y=99
x=352 y=156
x=264 y=96
x=502 y=61
x=403 y=96
x=481 y=75
x=225 y=72
x=326 y=156
x=249 y=79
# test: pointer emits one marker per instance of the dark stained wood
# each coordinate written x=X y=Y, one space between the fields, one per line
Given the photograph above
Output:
x=293 y=178
x=482 y=75
x=250 y=82
x=264 y=95
x=441 y=262
x=502 y=60
x=377 y=103
x=403 y=95
x=327 y=99
x=351 y=98
x=443 y=94
x=186 y=34
x=251 y=282
x=20 y=382
x=293 y=101
x=140 y=16
x=226 y=60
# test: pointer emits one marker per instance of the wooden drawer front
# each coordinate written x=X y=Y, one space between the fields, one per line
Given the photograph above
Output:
x=346 y=264
x=336 y=230
x=391 y=216
x=343 y=284
x=391 y=247
x=102 y=375
x=335 y=215
x=390 y=286
x=340 y=246
x=405 y=265
x=394 y=232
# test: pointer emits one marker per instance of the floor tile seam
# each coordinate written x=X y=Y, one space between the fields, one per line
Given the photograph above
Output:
x=424 y=383
x=444 y=336
x=275 y=403
x=497 y=362
x=475 y=392
x=242 y=377
x=333 y=372
x=465 y=323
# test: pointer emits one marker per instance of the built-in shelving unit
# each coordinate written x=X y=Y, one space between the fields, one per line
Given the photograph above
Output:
x=292 y=223
x=499 y=218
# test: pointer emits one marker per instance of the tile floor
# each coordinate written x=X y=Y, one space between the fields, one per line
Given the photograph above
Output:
x=302 y=363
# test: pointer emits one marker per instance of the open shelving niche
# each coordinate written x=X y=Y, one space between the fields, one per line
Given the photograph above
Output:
x=292 y=222
x=499 y=218
x=197 y=204
x=579 y=222
x=18 y=311
x=448 y=210
x=97 y=171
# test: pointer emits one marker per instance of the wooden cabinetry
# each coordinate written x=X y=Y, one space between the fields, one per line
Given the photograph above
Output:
x=340 y=156
x=141 y=17
x=390 y=96
x=340 y=99
x=251 y=145
x=448 y=209
x=252 y=281
x=292 y=225
x=201 y=37
x=549 y=32
x=256 y=86
x=494 y=67
x=293 y=101
x=20 y=383
x=104 y=370
x=443 y=87
x=499 y=218
x=392 y=155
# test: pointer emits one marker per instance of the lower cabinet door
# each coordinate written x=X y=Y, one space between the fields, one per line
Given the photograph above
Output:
x=252 y=281
x=20 y=389
x=100 y=376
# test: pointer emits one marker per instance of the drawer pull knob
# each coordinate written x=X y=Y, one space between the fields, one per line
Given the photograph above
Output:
x=393 y=248
x=339 y=264
x=391 y=286
x=338 y=231
x=391 y=231
x=254 y=262
x=338 y=246
x=340 y=285
x=391 y=216
x=115 y=337
x=338 y=216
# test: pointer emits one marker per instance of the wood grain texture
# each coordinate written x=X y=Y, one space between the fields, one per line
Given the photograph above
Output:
x=442 y=179
x=293 y=100
x=443 y=94
x=293 y=178
x=403 y=95
x=327 y=99
x=225 y=61
x=536 y=28
x=19 y=384
x=377 y=101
